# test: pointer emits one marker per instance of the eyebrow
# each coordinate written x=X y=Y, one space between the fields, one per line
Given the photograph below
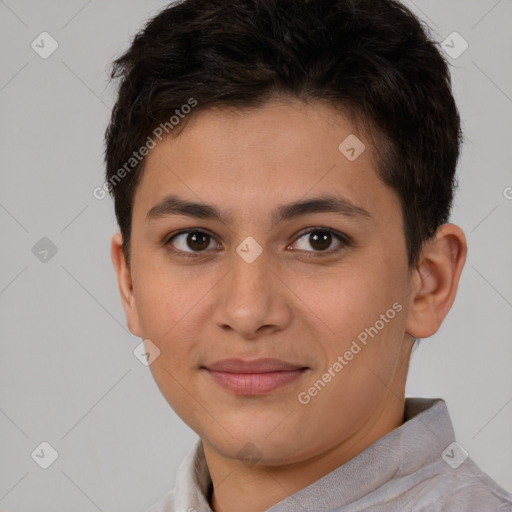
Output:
x=173 y=205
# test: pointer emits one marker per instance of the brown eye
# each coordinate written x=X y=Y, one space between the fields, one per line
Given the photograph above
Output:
x=191 y=241
x=319 y=239
x=198 y=241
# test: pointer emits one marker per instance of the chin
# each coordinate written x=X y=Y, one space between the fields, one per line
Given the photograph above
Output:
x=252 y=451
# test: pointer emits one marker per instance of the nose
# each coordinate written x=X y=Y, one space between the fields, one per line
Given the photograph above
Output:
x=252 y=300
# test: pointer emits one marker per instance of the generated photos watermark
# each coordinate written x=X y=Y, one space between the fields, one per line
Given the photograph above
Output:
x=138 y=156
x=304 y=397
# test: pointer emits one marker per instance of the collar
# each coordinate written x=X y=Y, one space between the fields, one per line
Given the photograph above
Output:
x=418 y=442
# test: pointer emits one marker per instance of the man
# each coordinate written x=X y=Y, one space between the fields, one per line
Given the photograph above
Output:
x=283 y=173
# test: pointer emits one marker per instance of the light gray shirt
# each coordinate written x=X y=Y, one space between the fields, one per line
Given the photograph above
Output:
x=416 y=467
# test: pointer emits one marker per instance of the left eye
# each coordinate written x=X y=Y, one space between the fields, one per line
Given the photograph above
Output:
x=320 y=239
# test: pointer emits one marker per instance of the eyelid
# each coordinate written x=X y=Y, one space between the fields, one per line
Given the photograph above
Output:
x=337 y=234
x=167 y=241
x=342 y=238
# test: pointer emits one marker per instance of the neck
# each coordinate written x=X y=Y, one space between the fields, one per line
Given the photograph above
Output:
x=262 y=486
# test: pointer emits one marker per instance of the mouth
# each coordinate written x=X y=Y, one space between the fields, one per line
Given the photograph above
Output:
x=253 y=378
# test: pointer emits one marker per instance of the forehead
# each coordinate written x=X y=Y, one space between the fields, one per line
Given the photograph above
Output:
x=246 y=160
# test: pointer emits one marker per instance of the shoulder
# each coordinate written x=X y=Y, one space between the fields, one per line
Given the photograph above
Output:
x=165 y=504
x=464 y=489
x=474 y=490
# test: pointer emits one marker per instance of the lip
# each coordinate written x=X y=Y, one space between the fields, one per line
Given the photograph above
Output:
x=262 y=365
x=256 y=377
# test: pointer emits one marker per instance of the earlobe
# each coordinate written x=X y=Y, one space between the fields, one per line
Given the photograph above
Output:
x=436 y=281
x=124 y=282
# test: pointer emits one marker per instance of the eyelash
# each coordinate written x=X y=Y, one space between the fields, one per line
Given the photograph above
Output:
x=343 y=239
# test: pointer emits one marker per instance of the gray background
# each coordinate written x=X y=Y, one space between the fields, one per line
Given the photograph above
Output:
x=67 y=372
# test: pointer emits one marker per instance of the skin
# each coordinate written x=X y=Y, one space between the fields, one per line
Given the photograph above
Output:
x=284 y=304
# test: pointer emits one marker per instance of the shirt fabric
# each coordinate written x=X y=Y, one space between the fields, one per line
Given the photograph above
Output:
x=417 y=467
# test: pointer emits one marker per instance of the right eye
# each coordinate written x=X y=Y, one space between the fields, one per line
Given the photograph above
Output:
x=191 y=241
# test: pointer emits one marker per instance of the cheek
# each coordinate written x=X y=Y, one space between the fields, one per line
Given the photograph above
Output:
x=179 y=392
x=167 y=297
x=169 y=313
x=365 y=315
x=346 y=301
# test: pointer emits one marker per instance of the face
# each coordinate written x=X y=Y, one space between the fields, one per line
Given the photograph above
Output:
x=278 y=325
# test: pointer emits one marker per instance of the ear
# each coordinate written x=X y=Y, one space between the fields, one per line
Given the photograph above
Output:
x=435 y=281
x=124 y=282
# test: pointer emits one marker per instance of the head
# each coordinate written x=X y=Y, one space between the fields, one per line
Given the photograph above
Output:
x=247 y=108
